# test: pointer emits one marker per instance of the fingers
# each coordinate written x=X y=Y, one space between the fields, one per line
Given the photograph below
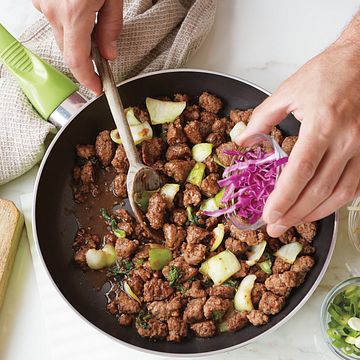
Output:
x=59 y=35
x=346 y=189
x=318 y=189
x=108 y=28
x=269 y=113
x=303 y=162
x=77 y=53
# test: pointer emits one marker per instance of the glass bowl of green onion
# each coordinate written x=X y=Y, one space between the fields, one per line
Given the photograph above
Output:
x=340 y=319
x=354 y=223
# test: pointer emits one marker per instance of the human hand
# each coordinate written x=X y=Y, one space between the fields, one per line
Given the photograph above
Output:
x=73 y=21
x=323 y=170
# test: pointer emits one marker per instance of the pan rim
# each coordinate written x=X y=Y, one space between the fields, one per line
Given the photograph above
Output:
x=138 y=348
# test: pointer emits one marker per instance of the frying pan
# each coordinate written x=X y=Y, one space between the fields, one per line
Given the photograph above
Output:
x=55 y=225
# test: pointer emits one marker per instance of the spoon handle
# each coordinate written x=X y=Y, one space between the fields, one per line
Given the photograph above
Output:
x=116 y=108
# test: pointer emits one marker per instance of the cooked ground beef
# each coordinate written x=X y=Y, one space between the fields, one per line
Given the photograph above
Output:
x=238 y=115
x=179 y=300
x=236 y=246
x=192 y=113
x=257 y=292
x=193 y=132
x=175 y=133
x=271 y=304
x=178 y=152
x=196 y=290
x=192 y=195
x=85 y=151
x=307 y=230
x=216 y=307
x=196 y=234
x=179 y=169
x=195 y=253
x=257 y=317
x=277 y=135
x=177 y=329
x=174 y=236
x=104 y=147
x=179 y=216
x=224 y=158
x=194 y=310
x=156 y=211
x=124 y=248
x=126 y=304
x=120 y=161
x=157 y=289
x=216 y=139
x=209 y=186
x=152 y=150
x=119 y=185
x=125 y=320
x=288 y=143
x=303 y=264
x=204 y=329
x=210 y=102
x=236 y=321
x=155 y=329
x=279 y=266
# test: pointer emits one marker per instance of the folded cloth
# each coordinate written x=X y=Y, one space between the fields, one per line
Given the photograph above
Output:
x=157 y=35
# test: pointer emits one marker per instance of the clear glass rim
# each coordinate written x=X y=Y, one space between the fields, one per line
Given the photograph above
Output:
x=324 y=314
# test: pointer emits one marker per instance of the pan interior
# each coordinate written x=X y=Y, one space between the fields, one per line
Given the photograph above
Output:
x=56 y=224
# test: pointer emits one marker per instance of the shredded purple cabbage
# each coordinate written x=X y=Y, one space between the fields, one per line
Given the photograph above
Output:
x=248 y=183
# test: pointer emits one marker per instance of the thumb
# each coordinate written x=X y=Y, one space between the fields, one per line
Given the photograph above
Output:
x=269 y=113
x=108 y=28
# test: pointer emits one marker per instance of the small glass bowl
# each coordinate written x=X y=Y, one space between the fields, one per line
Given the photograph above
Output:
x=354 y=223
x=268 y=143
x=325 y=316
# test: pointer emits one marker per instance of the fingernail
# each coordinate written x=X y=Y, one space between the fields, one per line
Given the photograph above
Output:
x=273 y=217
x=275 y=230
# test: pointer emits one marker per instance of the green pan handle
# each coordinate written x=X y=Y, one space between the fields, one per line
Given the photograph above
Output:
x=45 y=87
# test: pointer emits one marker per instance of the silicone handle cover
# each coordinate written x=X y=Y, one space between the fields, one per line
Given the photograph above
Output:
x=45 y=87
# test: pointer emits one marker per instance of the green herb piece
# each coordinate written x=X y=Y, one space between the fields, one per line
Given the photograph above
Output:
x=142 y=199
x=120 y=233
x=122 y=268
x=231 y=282
x=217 y=316
x=139 y=261
x=105 y=214
x=142 y=319
x=192 y=218
x=174 y=275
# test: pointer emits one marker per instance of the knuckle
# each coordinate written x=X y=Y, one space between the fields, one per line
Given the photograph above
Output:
x=322 y=190
x=72 y=61
x=305 y=169
x=346 y=193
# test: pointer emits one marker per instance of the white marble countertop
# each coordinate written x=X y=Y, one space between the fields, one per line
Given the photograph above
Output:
x=261 y=41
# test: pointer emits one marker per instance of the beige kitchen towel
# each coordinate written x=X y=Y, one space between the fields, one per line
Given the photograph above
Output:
x=157 y=35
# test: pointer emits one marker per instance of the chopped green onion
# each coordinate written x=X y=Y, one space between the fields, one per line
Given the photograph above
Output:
x=265 y=266
x=142 y=199
x=159 y=257
x=196 y=174
x=105 y=214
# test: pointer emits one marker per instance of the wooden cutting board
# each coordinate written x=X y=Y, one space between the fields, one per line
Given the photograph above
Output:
x=11 y=224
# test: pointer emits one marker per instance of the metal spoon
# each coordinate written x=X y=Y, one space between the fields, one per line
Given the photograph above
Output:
x=140 y=177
